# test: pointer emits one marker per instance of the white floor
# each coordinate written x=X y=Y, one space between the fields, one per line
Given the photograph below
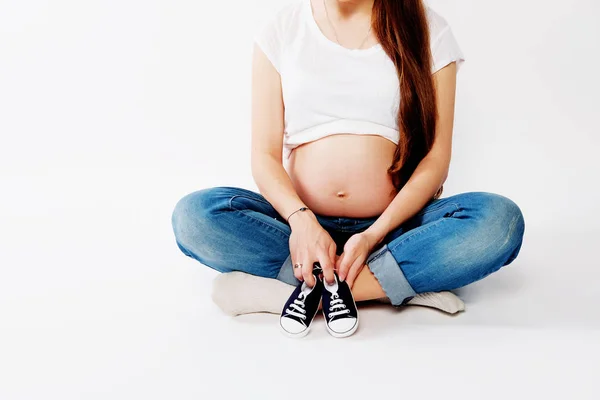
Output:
x=98 y=303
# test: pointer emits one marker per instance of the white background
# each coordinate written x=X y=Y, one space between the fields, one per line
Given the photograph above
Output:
x=110 y=111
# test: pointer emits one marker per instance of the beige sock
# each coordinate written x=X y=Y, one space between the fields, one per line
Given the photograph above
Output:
x=444 y=301
x=239 y=293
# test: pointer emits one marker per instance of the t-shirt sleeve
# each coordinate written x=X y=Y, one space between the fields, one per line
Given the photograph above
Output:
x=444 y=46
x=269 y=38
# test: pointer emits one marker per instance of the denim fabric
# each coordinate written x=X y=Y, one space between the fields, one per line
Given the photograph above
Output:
x=450 y=243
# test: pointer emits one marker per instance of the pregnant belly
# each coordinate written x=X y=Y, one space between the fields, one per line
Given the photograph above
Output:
x=344 y=175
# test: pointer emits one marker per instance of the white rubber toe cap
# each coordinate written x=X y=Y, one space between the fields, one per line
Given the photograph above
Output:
x=343 y=325
x=292 y=326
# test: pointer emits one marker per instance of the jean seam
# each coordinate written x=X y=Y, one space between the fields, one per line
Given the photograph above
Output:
x=433 y=224
x=242 y=212
x=398 y=287
x=430 y=210
x=377 y=256
x=249 y=198
x=514 y=256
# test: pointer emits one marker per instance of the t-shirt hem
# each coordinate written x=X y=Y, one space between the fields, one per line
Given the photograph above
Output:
x=338 y=127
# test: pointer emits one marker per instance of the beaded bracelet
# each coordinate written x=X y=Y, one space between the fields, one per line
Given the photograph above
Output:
x=300 y=209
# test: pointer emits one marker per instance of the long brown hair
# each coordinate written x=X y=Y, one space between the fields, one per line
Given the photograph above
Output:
x=403 y=31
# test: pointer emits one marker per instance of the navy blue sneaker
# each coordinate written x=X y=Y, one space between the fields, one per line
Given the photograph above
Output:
x=339 y=308
x=302 y=306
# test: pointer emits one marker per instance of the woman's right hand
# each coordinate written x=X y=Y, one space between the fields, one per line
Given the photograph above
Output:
x=309 y=243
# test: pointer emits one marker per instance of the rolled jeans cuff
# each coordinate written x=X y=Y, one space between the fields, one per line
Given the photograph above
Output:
x=390 y=276
x=286 y=273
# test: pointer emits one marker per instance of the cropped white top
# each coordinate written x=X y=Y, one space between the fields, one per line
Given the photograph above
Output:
x=328 y=89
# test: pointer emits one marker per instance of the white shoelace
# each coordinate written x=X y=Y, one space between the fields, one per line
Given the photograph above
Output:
x=337 y=303
x=298 y=305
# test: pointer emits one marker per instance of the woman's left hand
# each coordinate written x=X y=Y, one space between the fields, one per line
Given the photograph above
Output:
x=352 y=260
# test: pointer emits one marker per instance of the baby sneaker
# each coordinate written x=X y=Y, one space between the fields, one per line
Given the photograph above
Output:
x=302 y=306
x=339 y=308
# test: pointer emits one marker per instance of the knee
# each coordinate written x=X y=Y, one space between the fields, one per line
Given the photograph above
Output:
x=501 y=225
x=503 y=213
x=185 y=213
x=193 y=212
x=491 y=238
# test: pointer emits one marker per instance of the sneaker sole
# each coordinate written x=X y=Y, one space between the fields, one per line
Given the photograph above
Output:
x=294 y=335
x=344 y=334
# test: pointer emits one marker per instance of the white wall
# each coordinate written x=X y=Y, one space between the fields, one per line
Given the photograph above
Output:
x=158 y=91
x=526 y=123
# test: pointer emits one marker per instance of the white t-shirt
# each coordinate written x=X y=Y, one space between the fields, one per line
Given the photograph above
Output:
x=329 y=89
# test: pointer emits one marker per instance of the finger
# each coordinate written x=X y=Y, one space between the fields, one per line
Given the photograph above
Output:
x=333 y=252
x=339 y=262
x=354 y=271
x=297 y=271
x=345 y=266
x=307 y=269
x=327 y=263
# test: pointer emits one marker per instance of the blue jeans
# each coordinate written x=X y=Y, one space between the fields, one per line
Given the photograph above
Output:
x=450 y=243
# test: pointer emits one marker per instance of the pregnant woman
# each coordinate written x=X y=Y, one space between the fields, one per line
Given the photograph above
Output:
x=352 y=121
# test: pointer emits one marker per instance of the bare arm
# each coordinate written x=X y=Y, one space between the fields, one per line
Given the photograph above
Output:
x=309 y=242
x=432 y=171
x=427 y=178
x=267 y=140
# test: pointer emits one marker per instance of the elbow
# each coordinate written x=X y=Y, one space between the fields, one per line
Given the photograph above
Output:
x=261 y=163
x=445 y=176
x=256 y=168
x=257 y=159
x=441 y=164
